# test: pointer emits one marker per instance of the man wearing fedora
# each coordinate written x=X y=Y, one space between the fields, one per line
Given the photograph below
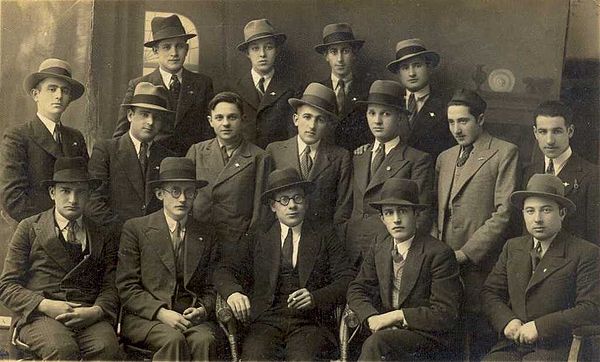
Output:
x=383 y=159
x=474 y=180
x=188 y=92
x=233 y=168
x=544 y=284
x=163 y=276
x=327 y=166
x=127 y=163
x=408 y=290
x=426 y=129
x=28 y=151
x=553 y=129
x=285 y=281
x=265 y=89
x=59 y=274
x=340 y=49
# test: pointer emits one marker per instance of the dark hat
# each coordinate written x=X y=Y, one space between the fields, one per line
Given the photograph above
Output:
x=71 y=169
x=386 y=93
x=338 y=34
x=410 y=48
x=398 y=191
x=468 y=98
x=319 y=96
x=543 y=185
x=167 y=28
x=177 y=169
x=54 y=68
x=260 y=29
x=148 y=95
x=284 y=179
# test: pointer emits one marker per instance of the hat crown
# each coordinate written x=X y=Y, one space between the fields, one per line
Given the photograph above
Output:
x=167 y=28
x=177 y=169
x=320 y=94
x=283 y=177
x=54 y=65
x=400 y=190
x=330 y=29
x=387 y=87
x=70 y=169
x=546 y=183
x=410 y=43
x=258 y=27
x=469 y=98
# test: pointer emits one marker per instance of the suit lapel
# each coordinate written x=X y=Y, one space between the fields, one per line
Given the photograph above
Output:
x=393 y=162
x=322 y=162
x=194 y=246
x=215 y=159
x=308 y=249
x=522 y=262
x=571 y=174
x=43 y=138
x=480 y=155
x=46 y=234
x=158 y=237
x=553 y=260
x=128 y=161
x=446 y=175
x=289 y=153
x=272 y=254
x=277 y=88
x=240 y=159
x=412 y=268
x=383 y=264
x=186 y=97
x=248 y=92
x=361 y=168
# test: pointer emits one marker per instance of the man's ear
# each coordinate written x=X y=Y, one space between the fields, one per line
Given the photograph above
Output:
x=562 y=213
x=295 y=118
x=481 y=119
x=51 y=191
x=129 y=114
x=159 y=193
x=570 y=130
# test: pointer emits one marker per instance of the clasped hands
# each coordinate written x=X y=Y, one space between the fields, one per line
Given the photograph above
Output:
x=521 y=333
x=191 y=317
x=301 y=299
x=72 y=315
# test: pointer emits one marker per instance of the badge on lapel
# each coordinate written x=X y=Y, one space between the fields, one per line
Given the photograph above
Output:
x=237 y=164
x=431 y=114
x=273 y=93
x=74 y=143
x=389 y=168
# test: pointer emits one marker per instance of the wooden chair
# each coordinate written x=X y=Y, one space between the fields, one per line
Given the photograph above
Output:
x=348 y=322
x=132 y=352
x=586 y=344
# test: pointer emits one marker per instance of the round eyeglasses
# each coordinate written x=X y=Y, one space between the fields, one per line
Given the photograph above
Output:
x=176 y=192
x=285 y=200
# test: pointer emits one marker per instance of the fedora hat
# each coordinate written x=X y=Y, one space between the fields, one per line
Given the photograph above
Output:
x=167 y=28
x=284 y=179
x=337 y=34
x=401 y=192
x=71 y=169
x=55 y=68
x=410 y=48
x=469 y=98
x=386 y=93
x=177 y=169
x=319 y=96
x=148 y=95
x=543 y=185
x=260 y=29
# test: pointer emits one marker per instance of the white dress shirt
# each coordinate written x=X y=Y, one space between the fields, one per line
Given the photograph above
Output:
x=420 y=96
x=166 y=77
x=172 y=224
x=50 y=124
x=256 y=78
x=80 y=232
x=296 y=234
x=559 y=162
x=389 y=145
x=313 y=148
x=137 y=144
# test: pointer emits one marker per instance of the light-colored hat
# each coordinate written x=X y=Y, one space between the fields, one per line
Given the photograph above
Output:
x=167 y=28
x=319 y=96
x=543 y=185
x=260 y=29
x=410 y=48
x=338 y=34
x=148 y=95
x=54 y=68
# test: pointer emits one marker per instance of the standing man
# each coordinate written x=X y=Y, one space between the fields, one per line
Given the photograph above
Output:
x=188 y=92
x=553 y=128
x=163 y=276
x=233 y=168
x=127 y=163
x=426 y=129
x=286 y=280
x=407 y=291
x=544 y=284
x=327 y=166
x=265 y=89
x=474 y=180
x=59 y=274
x=340 y=49
x=28 y=151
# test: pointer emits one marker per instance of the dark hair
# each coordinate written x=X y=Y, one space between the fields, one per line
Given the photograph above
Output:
x=474 y=110
x=227 y=97
x=554 y=109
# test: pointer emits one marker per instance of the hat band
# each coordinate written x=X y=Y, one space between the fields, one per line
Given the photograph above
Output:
x=548 y=189
x=284 y=182
x=57 y=71
x=71 y=175
x=168 y=32
x=259 y=35
x=337 y=37
x=178 y=174
x=149 y=99
x=318 y=101
x=403 y=195
x=402 y=52
x=385 y=98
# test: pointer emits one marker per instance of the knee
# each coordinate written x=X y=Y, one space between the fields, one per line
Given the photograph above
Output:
x=60 y=349
x=104 y=349
x=174 y=338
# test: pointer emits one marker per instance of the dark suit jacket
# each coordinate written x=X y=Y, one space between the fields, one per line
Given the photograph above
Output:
x=582 y=186
x=430 y=132
x=401 y=162
x=231 y=200
x=431 y=292
x=253 y=269
x=352 y=130
x=270 y=119
x=146 y=277
x=27 y=155
x=563 y=293
x=190 y=125
x=123 y=193
x=330 y=202
x=38 y=266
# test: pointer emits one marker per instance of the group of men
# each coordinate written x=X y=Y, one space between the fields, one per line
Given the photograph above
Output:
x=347 y=191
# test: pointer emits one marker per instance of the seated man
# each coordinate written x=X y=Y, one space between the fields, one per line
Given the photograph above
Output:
x=59 y=272
x=165 y=260
x=407 y=291
x=286 y=281
x=536 y=315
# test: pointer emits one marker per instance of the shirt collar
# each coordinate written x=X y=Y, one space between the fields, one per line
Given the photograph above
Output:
x=389 y=145
x=137 y=143
x=296 y=230
x=62 y=221
x=313 y=148
x=233 y=149
x=256 y=77
x=335 y=80
x=166 y=76
x=559 y=161
x=420 y=94
x=404 y=246
x=172 y=224
x=50 y=124
x=545 y=244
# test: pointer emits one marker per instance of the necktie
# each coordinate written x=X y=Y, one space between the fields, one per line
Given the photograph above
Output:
x=464 y=156
x=71 y=232
x=341 y=95
x=224 y=154
x=306 y=163
x=288 y=249
x=261 y=87
x=550 y=169
x=176 y=237
x=377 y=159
x=143 y=157
x=398 y=266
x=56 y=134
x=536 y=256
x=412 y=108
x=175 y=88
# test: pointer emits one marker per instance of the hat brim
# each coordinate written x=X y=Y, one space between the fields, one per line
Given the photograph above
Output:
x=432 y=57
x=306 y=185
x=322 y=48
x=93 y=182
x=279 y=38
x=363 y=103
x=150 y=44
x=518 y=197
x=148 y=106
x=199 y=183
x=32 y=80
x=295 y=103
x=396 y=202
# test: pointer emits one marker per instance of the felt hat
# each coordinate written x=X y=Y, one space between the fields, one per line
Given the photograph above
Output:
x=167 y=28
x=319 y=96
x=386 y=93
x=71 y=169
x=401 y=192
x=410 y=48
x=543 y=185
x=148 y=95
x=284 y=179
x=177 y=169
x=260 y=29
x=54 y=68
x=338 y=34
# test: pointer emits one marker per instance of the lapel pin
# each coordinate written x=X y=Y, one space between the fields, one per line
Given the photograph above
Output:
x=389 y=168
x=237 y=164
x=566 y=184
x=74 y=143
x=480 y=159
x=156 y=167
x=431 y=114
x=545 y=270
x=200 y=238
x=576 y=185
x=191 y=92
x=354 y=99
x=272 y=93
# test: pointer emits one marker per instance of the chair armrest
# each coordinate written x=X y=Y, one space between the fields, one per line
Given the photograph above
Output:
x=350 y=318
x=223 y=311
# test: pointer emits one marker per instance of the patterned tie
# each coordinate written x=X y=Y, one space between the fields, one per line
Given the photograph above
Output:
x=306 y=163
x=412 y=108
x=341 y=95
x=175 y=88
x=377 y=159
x=288 y=249
x=464 y=156
x=550 y=169
x=143 y=157
x=71 y=232
x=57 y=133
x=398 y=266
x=261 y=87
x=536 y=256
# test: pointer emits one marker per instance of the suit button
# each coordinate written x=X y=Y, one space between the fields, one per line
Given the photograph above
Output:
x=143 y=207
